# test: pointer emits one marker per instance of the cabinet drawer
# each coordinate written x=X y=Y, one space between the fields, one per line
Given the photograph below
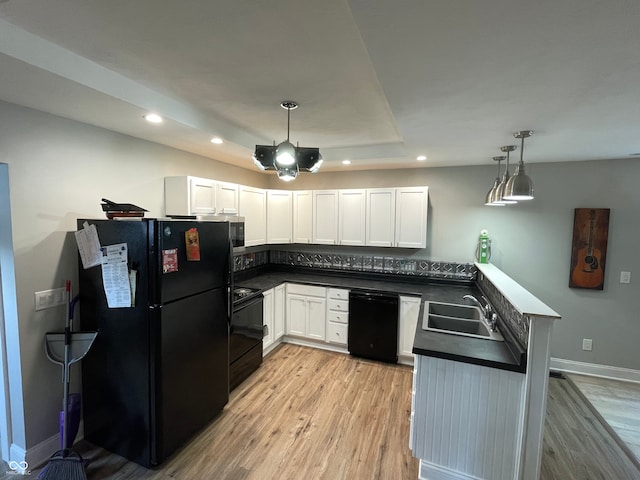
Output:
x=337 y=333
x=308 y=290
x=339 y=305
x=338 y=293
x=338 y=317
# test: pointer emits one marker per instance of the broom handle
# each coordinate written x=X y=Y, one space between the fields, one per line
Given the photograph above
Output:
x=67 y=359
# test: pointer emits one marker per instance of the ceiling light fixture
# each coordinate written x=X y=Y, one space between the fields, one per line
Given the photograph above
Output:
x=152 y=118
x=286 y=158
x=421 y=158
x=217 y=140
x=498 y=196
x=492 y=191
x=346 y=162
x=520 y=186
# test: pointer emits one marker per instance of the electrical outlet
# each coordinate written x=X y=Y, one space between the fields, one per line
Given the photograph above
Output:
x=50 y=298
x=587 y=344
x=625 y=277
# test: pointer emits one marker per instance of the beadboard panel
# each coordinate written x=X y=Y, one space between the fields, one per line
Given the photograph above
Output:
x=467 y=418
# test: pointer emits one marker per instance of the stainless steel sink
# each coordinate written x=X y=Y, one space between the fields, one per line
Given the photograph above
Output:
x=457 y=319
x=454 y=310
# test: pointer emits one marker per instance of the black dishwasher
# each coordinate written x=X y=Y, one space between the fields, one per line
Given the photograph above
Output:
x=373 y=325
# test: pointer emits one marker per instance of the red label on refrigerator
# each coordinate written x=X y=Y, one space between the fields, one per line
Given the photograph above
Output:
x=170 y=260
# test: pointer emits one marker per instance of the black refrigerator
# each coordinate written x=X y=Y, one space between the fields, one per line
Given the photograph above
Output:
x=159 y=370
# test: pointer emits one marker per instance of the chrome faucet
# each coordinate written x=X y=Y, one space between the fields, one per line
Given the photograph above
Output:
x=490 y=316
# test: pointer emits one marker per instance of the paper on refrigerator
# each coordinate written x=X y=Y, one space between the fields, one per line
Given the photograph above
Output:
x=89 y=246
x=115 y=275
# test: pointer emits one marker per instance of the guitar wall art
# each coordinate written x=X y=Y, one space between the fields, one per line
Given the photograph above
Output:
x=589 y=248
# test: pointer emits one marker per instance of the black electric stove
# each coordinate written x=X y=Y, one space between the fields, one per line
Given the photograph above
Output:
x=245 y=334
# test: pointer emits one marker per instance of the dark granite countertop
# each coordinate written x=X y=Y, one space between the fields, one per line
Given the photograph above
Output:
x=478 y=351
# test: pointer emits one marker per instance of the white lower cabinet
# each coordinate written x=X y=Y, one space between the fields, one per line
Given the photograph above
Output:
x=267 y=319
x=279 y=301
x=273 y=308
x=408 y=322
x=337 y=315
x=306 y=311
x=322 y=314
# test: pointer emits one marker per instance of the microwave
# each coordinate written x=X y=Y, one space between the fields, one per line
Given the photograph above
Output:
x=236 y=228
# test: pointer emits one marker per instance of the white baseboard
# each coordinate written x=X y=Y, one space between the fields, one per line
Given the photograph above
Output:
x=595 y=370
x=430 y=471
x=39 y=454
x=315 y=344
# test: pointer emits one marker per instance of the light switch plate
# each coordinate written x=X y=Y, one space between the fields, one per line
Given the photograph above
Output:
x=50 y=298
x=587 y=344
x=625 y=277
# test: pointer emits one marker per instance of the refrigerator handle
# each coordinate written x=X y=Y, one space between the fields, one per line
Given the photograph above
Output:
x=230 y=286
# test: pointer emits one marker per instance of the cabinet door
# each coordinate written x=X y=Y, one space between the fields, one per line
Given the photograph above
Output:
x=267 y=315
x=316 y=318
x=278 y=311
x=351 y=217
x=325 y=217
x=381 y=217
x=227 y=198
x=279 y=216
x=202 y=196
x=302 y=216
x=296 y=314
x=411 y=217
x=253 y=207
x=409 y=312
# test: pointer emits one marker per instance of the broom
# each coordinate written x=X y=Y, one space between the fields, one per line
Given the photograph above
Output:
x=65 y=464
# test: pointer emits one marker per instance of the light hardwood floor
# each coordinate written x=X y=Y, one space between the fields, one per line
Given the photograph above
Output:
x=618 y=403
x=312 y=414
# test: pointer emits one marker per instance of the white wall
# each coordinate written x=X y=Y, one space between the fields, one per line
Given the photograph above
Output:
x=60 y=169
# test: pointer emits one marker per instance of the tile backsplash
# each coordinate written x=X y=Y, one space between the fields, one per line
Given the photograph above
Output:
x=517 y=323
x=357 y=263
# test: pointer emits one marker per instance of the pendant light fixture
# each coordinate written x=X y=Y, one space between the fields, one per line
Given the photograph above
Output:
x=286 y=152
x=498 y=196
x=520 y=186
x=492 y=191
x=286 y=158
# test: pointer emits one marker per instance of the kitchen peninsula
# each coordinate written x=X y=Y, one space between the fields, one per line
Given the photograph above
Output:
x=478 y=405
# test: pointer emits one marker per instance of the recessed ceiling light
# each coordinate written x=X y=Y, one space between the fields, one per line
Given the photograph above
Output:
x=216 y=140
x=346 y=162
x=421 y=158
x=153 y=118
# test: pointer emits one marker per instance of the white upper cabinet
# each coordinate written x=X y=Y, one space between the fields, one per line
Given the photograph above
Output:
x=279 y=216
x=190 y=196
x=411 y=217
x=253 y=207
x=381 y=217
x=226 y=198
x=325 y=217
x=302 y=216
x=351 y=217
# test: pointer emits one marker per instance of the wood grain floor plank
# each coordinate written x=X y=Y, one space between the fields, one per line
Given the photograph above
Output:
x=618 y=404
x=311 y=414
